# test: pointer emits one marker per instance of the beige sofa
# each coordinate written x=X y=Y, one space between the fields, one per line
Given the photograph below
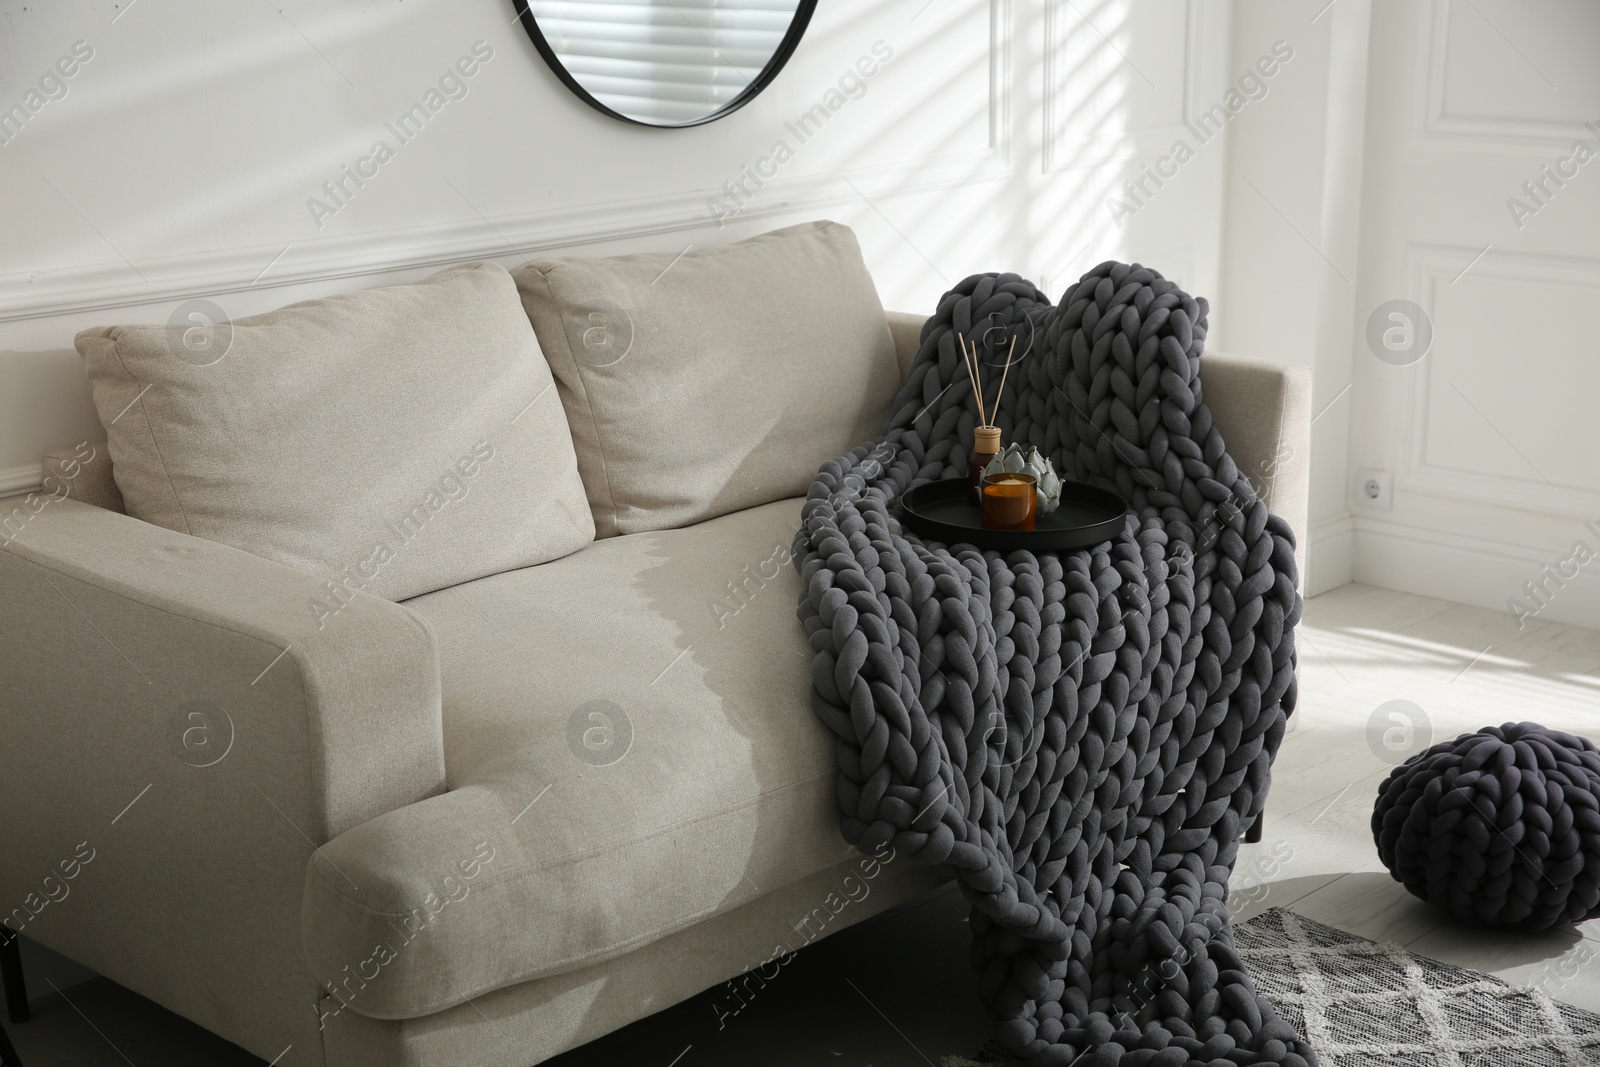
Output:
x=424 y=844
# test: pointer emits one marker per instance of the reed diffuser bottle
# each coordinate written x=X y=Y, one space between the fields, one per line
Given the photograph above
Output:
x=985 y=446
x=986 y=435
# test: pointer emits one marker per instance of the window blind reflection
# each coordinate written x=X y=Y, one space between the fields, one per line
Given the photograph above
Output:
x=664 y=61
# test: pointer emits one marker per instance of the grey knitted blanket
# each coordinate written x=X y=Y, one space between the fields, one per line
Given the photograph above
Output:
x=1081 y=737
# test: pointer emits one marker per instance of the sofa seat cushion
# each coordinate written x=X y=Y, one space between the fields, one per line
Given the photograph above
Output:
x=630 y=749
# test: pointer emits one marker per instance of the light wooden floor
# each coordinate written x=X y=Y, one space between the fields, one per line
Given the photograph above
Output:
x=899 y=991
x=1465 y=668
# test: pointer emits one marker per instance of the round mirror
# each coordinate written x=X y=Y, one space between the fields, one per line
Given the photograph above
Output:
x=666 y=62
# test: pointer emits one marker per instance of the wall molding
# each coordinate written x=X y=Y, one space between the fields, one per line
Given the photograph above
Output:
x=1074 y=153
x=1427 y=265
x=23 y=479
x=105 y=286
x=1000 y=35
x=1532 y=136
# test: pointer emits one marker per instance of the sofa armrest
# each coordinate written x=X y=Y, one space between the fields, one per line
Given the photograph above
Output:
x=1263 y=410
x=906 y=329
x=150 y=618
x=177 y=706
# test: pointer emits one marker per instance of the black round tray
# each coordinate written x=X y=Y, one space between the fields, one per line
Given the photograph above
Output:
x=948 y=511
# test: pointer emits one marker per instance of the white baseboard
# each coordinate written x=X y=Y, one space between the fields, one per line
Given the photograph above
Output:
x=1470 y=570
x=1330 y=555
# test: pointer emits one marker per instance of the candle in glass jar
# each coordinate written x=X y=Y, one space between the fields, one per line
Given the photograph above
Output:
x=1010 y=501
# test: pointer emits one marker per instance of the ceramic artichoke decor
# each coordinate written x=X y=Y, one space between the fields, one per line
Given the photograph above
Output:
x=1045 y=479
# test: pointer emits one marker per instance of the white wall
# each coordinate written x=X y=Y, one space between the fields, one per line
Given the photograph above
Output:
x=1380 y=170
x=182 y=156
x=1290 y=244
x=1492 y=437
x=1374 y=164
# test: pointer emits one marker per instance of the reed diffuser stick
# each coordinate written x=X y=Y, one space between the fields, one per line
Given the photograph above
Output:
x=971 y=363
x=1009 y=352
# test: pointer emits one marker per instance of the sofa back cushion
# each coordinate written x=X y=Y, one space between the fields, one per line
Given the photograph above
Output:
x=716 y=379
x=395 y=441
x=83 y=473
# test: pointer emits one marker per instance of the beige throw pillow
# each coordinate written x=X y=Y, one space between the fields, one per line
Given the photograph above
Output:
x=717 y=379
x=395 y=440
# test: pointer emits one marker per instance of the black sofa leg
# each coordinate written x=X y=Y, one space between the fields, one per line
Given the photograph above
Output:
x=11 y=974
x=8 y=1053
x=1253 y=836
x=16 y=992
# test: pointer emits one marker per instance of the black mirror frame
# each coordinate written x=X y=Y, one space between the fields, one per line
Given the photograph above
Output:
x=791 y=40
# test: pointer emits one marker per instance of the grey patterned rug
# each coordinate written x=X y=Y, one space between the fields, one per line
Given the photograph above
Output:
x=1364 y=1004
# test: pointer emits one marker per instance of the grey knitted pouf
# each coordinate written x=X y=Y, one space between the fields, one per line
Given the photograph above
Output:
x=1497 y=827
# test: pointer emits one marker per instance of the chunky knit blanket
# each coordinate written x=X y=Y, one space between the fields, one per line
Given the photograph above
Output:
x=1079 y=737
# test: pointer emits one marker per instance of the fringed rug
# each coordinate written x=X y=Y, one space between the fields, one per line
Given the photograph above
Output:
x=1365 y=1004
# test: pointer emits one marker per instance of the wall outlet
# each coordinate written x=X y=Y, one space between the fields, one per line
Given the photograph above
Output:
x=1375 y=488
